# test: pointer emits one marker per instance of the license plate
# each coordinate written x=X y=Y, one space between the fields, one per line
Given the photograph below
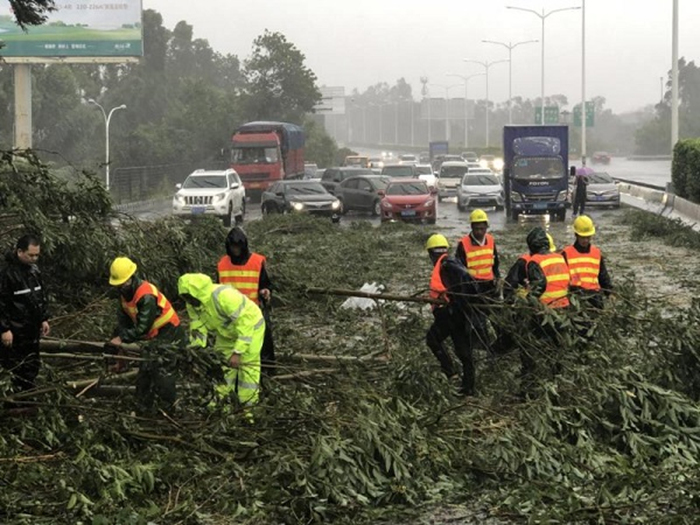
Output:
x=598 y=198
x=540 y=206
x=196 y=210
x=408 y=213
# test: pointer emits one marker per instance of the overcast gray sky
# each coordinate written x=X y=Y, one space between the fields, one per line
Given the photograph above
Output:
x=361 y=42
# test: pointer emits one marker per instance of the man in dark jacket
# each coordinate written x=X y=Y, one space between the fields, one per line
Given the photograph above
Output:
x=580 y=190
x=247 y=272
x=24 y=314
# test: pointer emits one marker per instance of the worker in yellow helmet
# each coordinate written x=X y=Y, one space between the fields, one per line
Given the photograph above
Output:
x=144 y=315
x=451 y=282
x=239 y=327
x=589 y=275
x=477 y=251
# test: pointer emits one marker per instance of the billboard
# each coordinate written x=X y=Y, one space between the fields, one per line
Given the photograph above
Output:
x=78 y=28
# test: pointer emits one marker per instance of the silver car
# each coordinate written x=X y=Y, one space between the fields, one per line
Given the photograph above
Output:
x=602 y=190
x=449 y=177
x=480 y=190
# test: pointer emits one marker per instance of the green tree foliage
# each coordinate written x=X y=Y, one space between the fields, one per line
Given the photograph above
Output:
x=654 y=137
x=685 y=171
x=31 y=12
x=279 y=86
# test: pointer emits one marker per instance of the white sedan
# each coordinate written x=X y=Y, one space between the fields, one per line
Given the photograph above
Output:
x=480 y=190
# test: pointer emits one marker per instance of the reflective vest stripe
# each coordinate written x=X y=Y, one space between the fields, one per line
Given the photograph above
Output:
x=480 y=259
x=168 y=315
x=584 y=268
x=437 y=288
x=557 y=276
x=244 y=277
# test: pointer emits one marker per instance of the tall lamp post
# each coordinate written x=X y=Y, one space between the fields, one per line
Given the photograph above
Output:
x=466 y=99
x=543 y=16
x=486 y=66
x=108 y=118
x=510 y=46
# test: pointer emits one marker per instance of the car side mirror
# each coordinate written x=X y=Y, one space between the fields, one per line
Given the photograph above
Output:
x=178 y=186
x=280 y=194
x=235 y=186
x=572 y=171
x=381 y=193
x=433 y=190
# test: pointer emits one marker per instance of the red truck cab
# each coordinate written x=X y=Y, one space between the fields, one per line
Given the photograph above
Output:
x=265 y=152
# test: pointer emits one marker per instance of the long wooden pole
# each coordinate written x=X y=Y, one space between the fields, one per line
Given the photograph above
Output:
x=370 y=295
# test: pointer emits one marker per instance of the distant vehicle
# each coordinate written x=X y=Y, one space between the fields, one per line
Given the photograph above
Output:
x=601 y=157
x=536 y=172
x=264 y=152
x=602 y=190
x=333 y=176
x=476 y=165
x=376 y=163
x=492 y=162
x=437 y=162
x=408 y=158
x=399 y=170
x=408 y=200
x=470 y=156
x=310 y=170
x=438 y=148
x=450 y=177
x=424 y=157
x=362 y=193
x=300 y=196
x=219 y=193
x=480 y=190
x=356 y=161
x=426 y=174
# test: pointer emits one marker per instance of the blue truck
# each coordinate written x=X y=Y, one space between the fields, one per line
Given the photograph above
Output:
x=536 y=170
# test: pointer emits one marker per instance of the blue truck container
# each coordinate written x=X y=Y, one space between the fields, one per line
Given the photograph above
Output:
x=536 y=170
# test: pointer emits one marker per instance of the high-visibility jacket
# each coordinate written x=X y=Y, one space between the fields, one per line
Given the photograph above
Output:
x=584 y=268
x=244 y=277
x=438 y=290
x=557 y=274
x=168 y=315
x=479 y=259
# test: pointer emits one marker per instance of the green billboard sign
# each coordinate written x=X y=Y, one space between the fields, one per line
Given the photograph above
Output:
x=78 y=28
x=551 y=115
x=590 y=115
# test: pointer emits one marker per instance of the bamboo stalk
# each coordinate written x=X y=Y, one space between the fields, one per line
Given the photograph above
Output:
x=370 y=295
x=83 y=357
x=306 y=373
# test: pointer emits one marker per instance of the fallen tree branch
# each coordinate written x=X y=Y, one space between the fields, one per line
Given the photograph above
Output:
x=370 y=295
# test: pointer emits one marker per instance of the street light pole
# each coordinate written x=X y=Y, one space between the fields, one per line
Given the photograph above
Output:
x=674 y=78
x=466 y=99
x=543 y=16
x=583 y=82
x=108 y=118
x=486 y=66
x=510 y=46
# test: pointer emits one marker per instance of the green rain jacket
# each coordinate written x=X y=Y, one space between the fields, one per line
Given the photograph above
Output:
x=224 y=311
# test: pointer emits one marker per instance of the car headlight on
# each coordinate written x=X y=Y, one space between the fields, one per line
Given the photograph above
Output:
x=516 y=197
x=335 y=205
x=498 y=164
x=484 y=163
x=297 y=206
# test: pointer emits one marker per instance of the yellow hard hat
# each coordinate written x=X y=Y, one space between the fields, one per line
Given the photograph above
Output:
x=552 y=246
x=583 y=226
x=121 y=270
x=478 y=216
x=437 y=240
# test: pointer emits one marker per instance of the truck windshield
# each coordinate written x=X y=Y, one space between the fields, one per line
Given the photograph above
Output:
x=538 y=168
x=254 y=155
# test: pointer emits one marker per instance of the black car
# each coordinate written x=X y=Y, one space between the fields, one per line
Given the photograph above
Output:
x=400 y=171
x=362 y=193
x=295 y=196
x=334 y=176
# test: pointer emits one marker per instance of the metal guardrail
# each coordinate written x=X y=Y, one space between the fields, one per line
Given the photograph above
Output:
x=642 y=184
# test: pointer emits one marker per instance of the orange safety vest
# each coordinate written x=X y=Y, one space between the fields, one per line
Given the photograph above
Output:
x=168 y=315
x=437 y=288
x=243 y=277
x=479 y=259
x=584 y=268
x=557 y=274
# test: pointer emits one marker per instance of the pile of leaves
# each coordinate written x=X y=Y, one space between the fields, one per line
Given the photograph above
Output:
x=613 y=436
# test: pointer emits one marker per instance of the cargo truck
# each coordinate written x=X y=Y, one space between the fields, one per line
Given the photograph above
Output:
x=536 y=170
x=265 y=152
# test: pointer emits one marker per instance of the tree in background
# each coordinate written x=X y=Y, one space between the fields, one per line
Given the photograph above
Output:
x=278 y=84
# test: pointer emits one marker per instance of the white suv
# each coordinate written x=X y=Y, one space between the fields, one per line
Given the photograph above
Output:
x=219 y=193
